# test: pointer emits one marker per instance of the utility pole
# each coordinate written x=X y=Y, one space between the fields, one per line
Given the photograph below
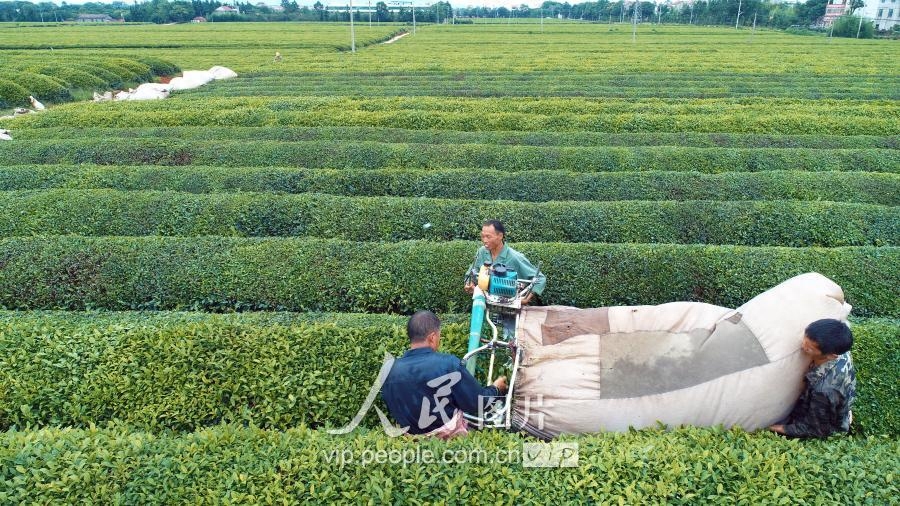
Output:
x=352 y=30
x=738 y=16
x=859 y=28
x=634 y=22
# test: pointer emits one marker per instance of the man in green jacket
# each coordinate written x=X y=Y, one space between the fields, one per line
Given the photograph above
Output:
x=830 y=384
x=496 y=251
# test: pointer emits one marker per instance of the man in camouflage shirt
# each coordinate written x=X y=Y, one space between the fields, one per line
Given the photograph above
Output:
x=830 y=385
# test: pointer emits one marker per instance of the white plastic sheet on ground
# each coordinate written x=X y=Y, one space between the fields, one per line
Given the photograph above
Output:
x=219 y=72
x=188 y=80
x=150 y=91
x=191 y=79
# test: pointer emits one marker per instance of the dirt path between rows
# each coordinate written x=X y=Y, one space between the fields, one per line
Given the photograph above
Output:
x=396 y=38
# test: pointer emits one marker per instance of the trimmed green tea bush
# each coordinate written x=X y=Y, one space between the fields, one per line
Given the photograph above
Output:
x=226 y=274
x=774 y=223
x=111 y=80
x=373 y=155
x=876 y=354
x=750 y=116
x=54 y=79
x=12 y=95
x=182 y=371
x=128 y=70
x=43 y=87
x=485 y=82
x=183 y=375
x=158 y=66
x=482 y=184
x=287 y=133
x=73 y=77
x=249 y=465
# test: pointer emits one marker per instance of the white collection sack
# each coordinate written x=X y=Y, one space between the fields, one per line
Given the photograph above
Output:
x=682 y=363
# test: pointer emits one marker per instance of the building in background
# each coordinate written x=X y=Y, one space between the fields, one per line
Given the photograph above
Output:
x=884 y=13
x=834 y=10
x=94 y=18
x=227 y=9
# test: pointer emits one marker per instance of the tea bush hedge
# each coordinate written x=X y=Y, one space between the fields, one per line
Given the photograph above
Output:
x=289 y=133
x=72 y=77
x=41 y=86
x=483 y=184
x=245 y=464
x=877 y=387
x=53 y=79
x=605 y=84
x=110 y=79
x=761 y=223
x=186 y=375
x=373 y=155
x=749 y=116
x=127 y=69
x=12 y=94
x=221 y=274
x=182 y=371
x=158 y=66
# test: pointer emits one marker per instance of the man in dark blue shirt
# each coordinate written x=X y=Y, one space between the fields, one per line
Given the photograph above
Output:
x=427 y=392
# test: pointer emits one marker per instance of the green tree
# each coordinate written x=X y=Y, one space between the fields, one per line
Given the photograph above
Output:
x=783 y=16
x=441 y=11
x=847 y=26
x=289 y=6
x=811 y=11
x=381 y=12
x=320 y=9
x=647 y=11
x=180 y=12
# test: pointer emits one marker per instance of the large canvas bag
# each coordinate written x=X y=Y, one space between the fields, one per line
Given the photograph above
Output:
x=682 y=363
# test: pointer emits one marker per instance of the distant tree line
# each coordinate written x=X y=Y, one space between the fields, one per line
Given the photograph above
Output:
x=180 y=11
x=155 y=11
x=704 y=12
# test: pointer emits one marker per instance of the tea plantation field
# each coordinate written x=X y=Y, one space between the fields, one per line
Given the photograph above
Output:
x=192 y=290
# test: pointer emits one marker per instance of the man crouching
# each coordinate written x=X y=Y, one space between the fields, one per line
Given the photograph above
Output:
x=830 y=385
x=427 y=392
